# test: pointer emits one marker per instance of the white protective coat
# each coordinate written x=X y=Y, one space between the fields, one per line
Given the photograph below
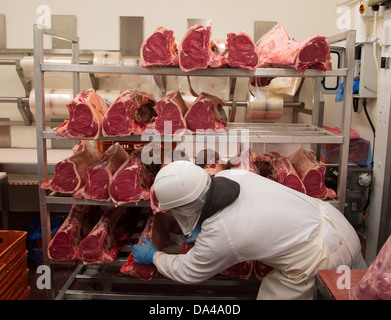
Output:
x=294 y=233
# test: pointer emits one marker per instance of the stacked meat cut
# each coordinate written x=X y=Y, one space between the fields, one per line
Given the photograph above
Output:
x=137 y=112
x=157 y=233
x=312 y=173
x=132 y=181
x=159 y=49
x=170 y=114
x=92 y=235
x=110 y=233
x=197 y=50
x=70 y=174
x=129 y=114
x=86 y=111
x=276 y=166
x=207 y=114
x=98 y=176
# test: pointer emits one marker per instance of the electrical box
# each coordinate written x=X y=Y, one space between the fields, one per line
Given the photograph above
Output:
x=365 y=70
x=358 y=184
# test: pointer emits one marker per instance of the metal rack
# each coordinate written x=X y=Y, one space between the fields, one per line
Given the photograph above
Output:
x=256 y=133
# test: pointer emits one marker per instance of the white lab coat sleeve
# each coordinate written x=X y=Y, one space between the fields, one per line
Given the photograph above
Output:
x=212 y=253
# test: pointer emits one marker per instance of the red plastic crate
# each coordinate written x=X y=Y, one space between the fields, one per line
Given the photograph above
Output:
x=13 y=265
x=12 y=245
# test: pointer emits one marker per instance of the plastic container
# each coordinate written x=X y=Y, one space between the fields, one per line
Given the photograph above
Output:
x=359 y=152
x=12 y=245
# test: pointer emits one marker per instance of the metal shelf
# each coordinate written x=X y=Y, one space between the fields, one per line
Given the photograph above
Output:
x=103 y=281
x=176 y=71
x=249 y=132
x=59 y=198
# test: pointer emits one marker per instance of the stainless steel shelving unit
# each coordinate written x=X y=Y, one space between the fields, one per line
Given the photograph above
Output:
x=255 y=133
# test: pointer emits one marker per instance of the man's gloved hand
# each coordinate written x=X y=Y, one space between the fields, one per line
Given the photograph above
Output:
x=194 y=235
x=143 y=254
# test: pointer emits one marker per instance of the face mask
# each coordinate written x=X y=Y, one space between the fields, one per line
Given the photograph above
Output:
x=188 y=215
x=187 y=220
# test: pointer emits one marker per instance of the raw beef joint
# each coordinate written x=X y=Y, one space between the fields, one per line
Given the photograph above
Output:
x=206 y=113
x=195 y=50
x=376 y=282
x=106 y=239
x=86 y=111
x=159 y=49
x=276 y=166
x=170 y=114
x=98 y=176
x=277 y=50
x=70 y=174
x=155 y=231
x=242 y=51
x=133 y=180
x=312 y=173
x=80 y=221
x=129 y=114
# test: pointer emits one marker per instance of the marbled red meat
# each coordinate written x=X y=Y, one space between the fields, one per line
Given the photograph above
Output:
x=195 y=50
x=99 y=175
x=86 y=111
x=312 y=173
x=129 y=114
x=159 y=49
x=80 y=221
x=110 y=233
x=206 y=113
x=157 y=233
x=276 y=166
x=170 y=114
x=69 y=174
x=242 y=51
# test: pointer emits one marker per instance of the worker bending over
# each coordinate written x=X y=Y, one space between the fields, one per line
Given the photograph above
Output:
x=240 y=216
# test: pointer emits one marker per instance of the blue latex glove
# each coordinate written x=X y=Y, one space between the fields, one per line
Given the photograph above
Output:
x=194 y=235
x=143 y=254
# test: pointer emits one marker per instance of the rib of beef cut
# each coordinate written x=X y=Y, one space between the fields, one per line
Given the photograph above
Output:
x=206 y=113
x=157 y=233
x=110 y=233
x=129 y=114
x=170 y=114
x=276 y=166
x=80 y=221
x=159 y=49
x=242 y=51
x=312 y=173
x=277 y=50
x=133 y=180
x=69 y=174
x=195 y=50
x=98 y=176
x=86 y=111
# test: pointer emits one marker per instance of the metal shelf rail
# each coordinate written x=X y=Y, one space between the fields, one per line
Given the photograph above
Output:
x=257 y=133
